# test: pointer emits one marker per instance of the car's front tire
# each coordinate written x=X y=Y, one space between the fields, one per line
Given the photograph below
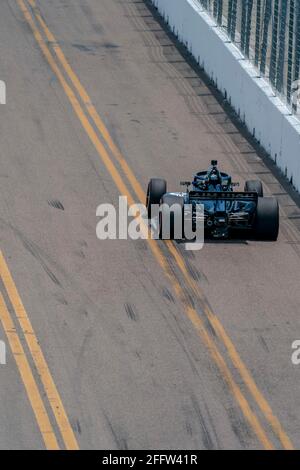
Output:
x=157 y=187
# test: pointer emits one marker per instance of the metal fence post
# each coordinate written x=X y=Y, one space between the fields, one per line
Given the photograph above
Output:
x=290 y=51
x=264 y=46
x=233 y=19
x=273 y=61
x=229 y=14
x=248 y=27
x=297 y=49
x=282 y=45
x=220 y=12
x=243 y=24
x=257 y=32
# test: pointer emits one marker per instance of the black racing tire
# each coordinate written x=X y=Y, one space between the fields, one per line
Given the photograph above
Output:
x=168 y=217
x=254 y=186
x=157 y=187
x=266 y=224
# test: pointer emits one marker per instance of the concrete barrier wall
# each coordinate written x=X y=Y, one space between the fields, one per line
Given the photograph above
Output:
x=251 y=96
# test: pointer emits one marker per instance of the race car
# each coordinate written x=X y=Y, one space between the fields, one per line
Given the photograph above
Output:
x=224 y=210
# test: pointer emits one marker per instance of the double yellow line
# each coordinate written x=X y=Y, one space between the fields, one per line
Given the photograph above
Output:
x=85 y=112
x=42 y=369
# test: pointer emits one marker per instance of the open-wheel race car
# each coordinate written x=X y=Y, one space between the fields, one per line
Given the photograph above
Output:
x=224 y=210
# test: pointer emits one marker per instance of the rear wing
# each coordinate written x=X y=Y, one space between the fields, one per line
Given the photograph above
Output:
x=223 y=196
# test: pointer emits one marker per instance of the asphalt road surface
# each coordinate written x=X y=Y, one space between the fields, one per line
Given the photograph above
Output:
x=123 y=344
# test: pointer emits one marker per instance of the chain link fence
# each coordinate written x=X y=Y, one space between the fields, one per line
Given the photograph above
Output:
x=268 y=34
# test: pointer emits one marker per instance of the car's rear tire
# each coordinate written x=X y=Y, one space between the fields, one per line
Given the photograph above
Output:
x=254 y=186
x=157 y=187
x=173 y=218
x=266 y=225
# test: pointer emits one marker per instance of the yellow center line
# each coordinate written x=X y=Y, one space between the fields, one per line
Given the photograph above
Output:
x=215 y=322
x=192 y=314
x=89 y=106
x=27 y=378
x=38 y=358
x=233 y=354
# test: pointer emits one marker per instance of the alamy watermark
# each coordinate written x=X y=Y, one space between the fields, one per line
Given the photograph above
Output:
x=2 y=353
x=167 y=222
x=296 y=354
x=2 y=92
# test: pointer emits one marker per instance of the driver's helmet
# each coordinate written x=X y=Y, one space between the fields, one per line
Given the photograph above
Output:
x=214 y=176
